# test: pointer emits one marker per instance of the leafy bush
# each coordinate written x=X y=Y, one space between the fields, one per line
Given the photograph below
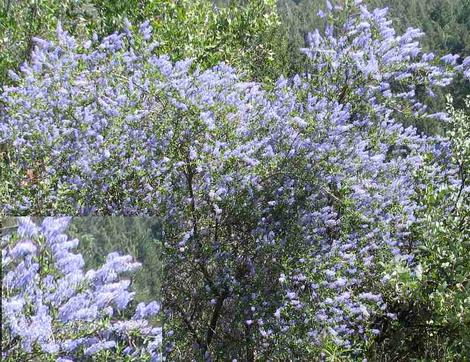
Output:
x=445 y=284
x=244 y=34
x=433 y=305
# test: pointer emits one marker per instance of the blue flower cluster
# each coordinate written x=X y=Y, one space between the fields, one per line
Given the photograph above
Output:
x=52 y=307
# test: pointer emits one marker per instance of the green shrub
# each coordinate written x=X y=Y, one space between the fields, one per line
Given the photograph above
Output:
x=433 y=299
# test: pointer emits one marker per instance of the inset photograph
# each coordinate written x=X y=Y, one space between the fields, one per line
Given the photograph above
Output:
x=81 y=289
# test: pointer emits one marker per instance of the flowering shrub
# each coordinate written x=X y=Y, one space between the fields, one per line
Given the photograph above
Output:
x=445 y=284
x=52 y=308
x=284 y=211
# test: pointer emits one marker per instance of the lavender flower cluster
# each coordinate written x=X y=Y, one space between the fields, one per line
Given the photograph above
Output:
x=313 y=182
x=52 y=307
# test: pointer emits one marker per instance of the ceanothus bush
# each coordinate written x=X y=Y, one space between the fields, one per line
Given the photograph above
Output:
x=53 y=309
x=283 y=210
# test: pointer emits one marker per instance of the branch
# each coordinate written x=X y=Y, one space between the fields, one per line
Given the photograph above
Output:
x=215 y=316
